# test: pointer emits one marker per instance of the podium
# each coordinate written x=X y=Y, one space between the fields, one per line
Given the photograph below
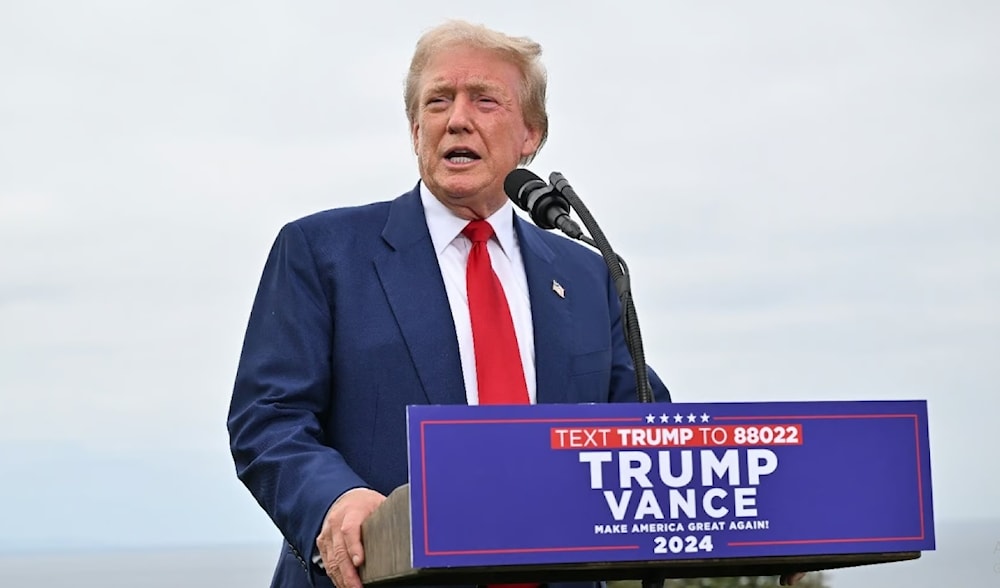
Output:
x=556 y=493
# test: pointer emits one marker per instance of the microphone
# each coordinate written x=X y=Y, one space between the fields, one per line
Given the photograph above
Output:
x=548 y=208
x=549 y=205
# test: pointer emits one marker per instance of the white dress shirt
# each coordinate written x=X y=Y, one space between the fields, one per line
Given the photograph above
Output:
x=452 y=249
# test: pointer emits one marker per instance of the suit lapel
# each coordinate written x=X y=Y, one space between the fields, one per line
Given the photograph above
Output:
x=550 y=316
x=411 y=278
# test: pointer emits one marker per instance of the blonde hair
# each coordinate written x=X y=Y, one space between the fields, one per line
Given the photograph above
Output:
x=520 y=51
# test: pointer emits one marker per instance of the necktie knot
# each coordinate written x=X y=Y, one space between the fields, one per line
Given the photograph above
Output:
x=478 y=231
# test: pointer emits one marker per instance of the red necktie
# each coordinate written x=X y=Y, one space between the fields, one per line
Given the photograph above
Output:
x=499 y=372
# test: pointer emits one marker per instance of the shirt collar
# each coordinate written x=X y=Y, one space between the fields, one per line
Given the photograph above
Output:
x=444 y=225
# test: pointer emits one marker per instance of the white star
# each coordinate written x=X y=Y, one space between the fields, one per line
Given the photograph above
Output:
x=678 y=418
x=650 y=418
x=704 y=417
x=691 y=418
x=664 y=418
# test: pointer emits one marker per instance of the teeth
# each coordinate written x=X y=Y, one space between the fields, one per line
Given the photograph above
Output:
x=460 y=159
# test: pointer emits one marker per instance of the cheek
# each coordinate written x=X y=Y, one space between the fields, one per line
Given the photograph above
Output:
x=425 y=139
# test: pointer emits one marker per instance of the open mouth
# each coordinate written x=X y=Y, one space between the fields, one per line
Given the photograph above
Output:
x=459 y=156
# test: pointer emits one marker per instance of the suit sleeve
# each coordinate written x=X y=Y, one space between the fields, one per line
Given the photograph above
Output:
x=282 y=389
x=623 y=386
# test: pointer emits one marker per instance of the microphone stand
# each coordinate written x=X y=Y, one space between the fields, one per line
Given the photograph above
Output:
x=630 y=321
x=619 y=274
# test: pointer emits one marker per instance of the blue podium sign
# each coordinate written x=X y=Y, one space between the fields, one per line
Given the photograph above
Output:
x=552 y=484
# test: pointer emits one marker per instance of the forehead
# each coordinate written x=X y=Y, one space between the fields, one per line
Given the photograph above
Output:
x=463 y=67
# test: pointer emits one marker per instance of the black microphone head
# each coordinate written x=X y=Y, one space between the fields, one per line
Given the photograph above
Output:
x=515 y=183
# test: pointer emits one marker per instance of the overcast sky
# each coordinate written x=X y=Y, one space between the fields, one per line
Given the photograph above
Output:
x=808 y=196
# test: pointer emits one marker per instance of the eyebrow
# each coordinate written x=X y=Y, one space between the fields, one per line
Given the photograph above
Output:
x=475 y=85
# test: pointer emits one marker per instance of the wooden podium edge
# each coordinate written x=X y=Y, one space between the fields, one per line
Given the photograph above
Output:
x=387 y=543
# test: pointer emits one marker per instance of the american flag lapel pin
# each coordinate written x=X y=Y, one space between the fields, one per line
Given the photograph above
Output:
x=558 y=289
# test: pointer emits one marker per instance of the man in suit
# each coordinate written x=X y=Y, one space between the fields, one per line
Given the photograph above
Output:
x=362 y=311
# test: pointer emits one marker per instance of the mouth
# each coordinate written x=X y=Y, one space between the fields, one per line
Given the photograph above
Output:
x=461 y=156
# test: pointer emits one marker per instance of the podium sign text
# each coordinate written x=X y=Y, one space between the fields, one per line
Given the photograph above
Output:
x=551 y=484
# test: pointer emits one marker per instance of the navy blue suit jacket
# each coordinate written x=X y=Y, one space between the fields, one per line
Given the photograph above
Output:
x=351 y=324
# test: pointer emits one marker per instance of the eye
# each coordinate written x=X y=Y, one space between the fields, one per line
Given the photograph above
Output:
x=435 y=103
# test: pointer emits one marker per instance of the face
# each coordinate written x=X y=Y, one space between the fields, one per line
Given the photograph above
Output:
x=469 y=131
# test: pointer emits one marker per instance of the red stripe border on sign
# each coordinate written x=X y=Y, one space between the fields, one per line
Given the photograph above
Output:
x=423 y=475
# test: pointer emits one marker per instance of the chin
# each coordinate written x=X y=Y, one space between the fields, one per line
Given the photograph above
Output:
x=462 y=189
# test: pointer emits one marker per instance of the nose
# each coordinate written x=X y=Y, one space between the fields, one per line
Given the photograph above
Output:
x=460 y=119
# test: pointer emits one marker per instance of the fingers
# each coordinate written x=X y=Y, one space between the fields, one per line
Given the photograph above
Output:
x=342 y=571
x=351 y=536
x=339 y=540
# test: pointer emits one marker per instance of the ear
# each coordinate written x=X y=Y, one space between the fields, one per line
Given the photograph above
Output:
x=415 y=136
x=532 y=138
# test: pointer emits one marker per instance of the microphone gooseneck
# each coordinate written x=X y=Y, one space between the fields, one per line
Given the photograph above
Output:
x=549 y=205
x=619 y=273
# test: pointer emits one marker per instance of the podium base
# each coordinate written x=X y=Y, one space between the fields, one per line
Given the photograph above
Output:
x=387 y=560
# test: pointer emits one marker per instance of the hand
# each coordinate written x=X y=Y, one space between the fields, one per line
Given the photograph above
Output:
x=339 y=540
x=790 y=579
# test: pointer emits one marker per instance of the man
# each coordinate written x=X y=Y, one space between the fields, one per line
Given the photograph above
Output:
x=363 y=311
